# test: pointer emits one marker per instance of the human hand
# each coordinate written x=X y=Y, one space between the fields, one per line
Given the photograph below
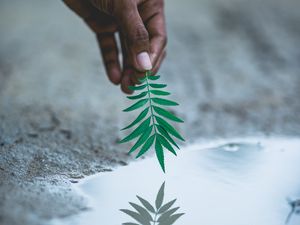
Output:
x=140 y=25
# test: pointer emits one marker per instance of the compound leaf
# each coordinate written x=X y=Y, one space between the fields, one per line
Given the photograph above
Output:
x=137 y=88
x=136 y=105
x=146 y=204
x=162 y=101
x=143 y=212
x=136 y=216
x=142 y=139
x=167 y=114
x=160 y=196
x=160 y=154
x=169 y=128
x=140 y=129
x=146 y=146
x=158 y=92
x=153 y=77
x=166 y=206
x=172 y=219
x=158 y=85
x=141 y=116
x=141 y=95
x=165 y=143
x=166 y=135
x=167 y=214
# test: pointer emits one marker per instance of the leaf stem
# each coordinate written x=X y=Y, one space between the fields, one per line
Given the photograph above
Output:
x=150 y=103
x=154 y=221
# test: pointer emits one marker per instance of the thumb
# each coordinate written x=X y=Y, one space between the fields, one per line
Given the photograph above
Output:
x=136 y=37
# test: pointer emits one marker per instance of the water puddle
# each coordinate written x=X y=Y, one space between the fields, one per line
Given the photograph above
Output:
x=231 y=182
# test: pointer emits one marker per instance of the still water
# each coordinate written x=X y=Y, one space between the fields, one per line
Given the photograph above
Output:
x=224 y=182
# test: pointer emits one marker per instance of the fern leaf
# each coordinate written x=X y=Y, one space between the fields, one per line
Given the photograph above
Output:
x=140 y=117
x=162 y=101
x=141 y=95
x=158 y=85
x=166 y=206
x=160 y=154
x=139 y=130
x=160 y=196
x=167 y=114
x=136 y=216
x=147 y=205
x=137 y=105
x=143 y=212
x=142 y=139
x=153 y=131
x=137 y=88
x=153 y=77
x=166 y=135
x=165 y=143
x=169 y=128
x=146 y=146
x=159 y=92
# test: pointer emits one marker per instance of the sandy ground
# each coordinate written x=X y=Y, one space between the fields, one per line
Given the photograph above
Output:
x=233 y=65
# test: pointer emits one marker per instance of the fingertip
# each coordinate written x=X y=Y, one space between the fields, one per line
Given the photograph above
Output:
x=114 y=75
x=126 y=81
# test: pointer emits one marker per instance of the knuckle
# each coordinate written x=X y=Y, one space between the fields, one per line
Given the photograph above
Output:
x=139 y=35
x=106 y=6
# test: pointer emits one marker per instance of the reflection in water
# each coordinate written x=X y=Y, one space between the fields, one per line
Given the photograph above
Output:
x=148 y=214
x=295 y=209
x=231 y=182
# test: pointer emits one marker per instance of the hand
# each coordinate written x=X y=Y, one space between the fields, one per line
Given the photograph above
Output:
x=140 y=25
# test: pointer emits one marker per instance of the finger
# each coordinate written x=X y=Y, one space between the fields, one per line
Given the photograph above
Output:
x=158 y=41
x=136 y=36
x=109 y=51
x=127 y=68
x=159 y=62
x=126 y=81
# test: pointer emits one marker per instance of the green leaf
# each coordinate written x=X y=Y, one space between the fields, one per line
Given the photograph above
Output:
x=160 y=154
x=172 y=219
x=146 y=204
x=146 y=146
x=167 y=114
x=162 y=101
x=141 y=116
x=169 y=128
x=158 y=85
x=166 y=135
x=143 y=212
x=136 y=88
x=136 y=216
x=136 y=105
x=167 y=214
x=142 y=139
x=160 y=196
x=158 y=92
x=141 y=95
x=156 y=77
x=165 y=143
x=166 y=206
x=142 y=80
x=140 y=129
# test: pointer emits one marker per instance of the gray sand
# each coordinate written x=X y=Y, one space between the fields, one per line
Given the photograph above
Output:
x=233 y=65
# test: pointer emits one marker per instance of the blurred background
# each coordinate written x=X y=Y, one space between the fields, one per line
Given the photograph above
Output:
x=233 y=65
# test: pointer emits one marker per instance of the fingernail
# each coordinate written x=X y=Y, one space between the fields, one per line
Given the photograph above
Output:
x=143 y=60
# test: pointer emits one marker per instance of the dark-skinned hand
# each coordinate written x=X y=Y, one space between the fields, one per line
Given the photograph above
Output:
x=140 y=25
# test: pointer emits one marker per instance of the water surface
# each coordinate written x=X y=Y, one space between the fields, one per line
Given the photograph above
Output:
x=225 y=182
